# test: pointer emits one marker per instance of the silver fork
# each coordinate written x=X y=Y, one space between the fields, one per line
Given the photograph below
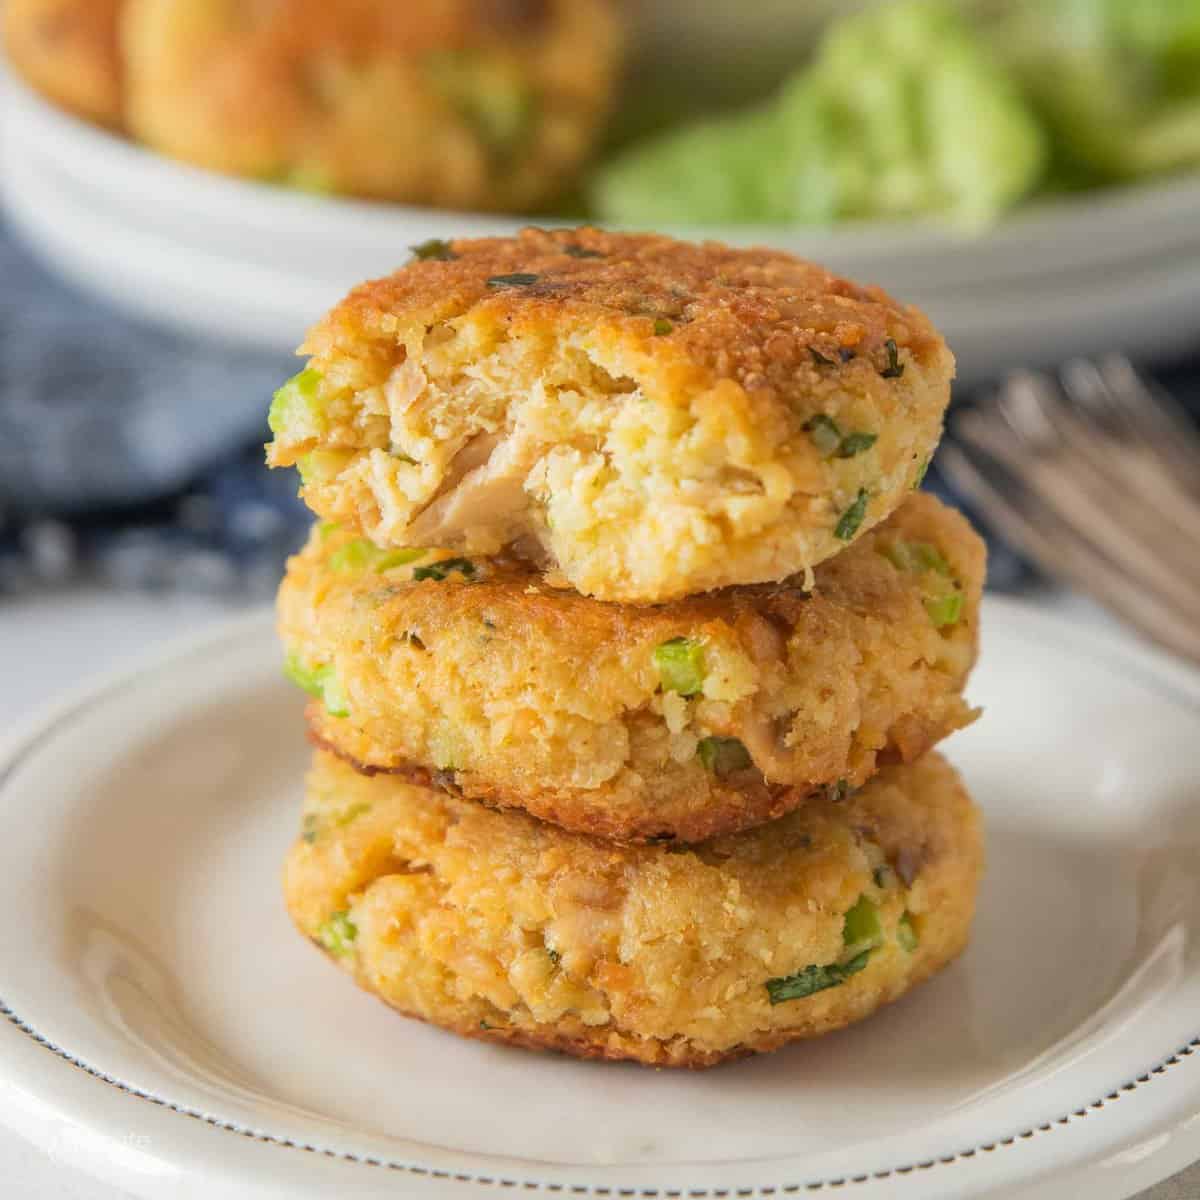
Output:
x=1095 y=475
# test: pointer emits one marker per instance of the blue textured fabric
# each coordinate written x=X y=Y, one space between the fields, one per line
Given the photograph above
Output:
x=134 y=456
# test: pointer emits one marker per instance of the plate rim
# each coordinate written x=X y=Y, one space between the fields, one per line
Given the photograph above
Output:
x=1178 y=681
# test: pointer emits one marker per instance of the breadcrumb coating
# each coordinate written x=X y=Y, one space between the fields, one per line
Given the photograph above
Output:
x=679 y=721
x=497 y=926
x=648 y=418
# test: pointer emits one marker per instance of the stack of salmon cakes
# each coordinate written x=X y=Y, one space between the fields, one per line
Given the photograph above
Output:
x=628 y=639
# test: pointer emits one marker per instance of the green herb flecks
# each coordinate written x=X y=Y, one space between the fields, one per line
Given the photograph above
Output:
x=350 y=814
x=940 y=591
x=723 y=756
x=662 y=326
x=894 y=368
x=296 y=408
x=835 y=793
x=319 y=681
x=553 y=955
x=516 y=279
x=906 y=933
x=813 y=979
x=862 y=931
x=309 y=835
x=322 y=466
x=361 y=554
x=338 y=933
x=856 y=443
x=326 y=529
x=825 y=434
x=944 y=610
x=915 y=556
x=831 y=442
x=680 y=663
x=920 y=475
x=852 y=518
x=433 y=248
x=438 y=571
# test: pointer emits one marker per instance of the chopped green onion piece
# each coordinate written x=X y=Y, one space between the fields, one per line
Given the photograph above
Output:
x=944 y=610
x=814 y=979
x=852 y=518
x=439 y=570
x=856 y=443
x=906 y=933
x=398 y=558
x=295 y=409
x=323 y=466
x=321 y=682
x=680 y=665
x=433 y=248
x=351 y=814
x=360 y=554
x=915 y=556
x=825 y=434
x=723 y=756
x=517 y=279
x=338 y=933
x=662 y=326
x=920 y=476
x=862 y=931
x=894 y=368
x=352 y=556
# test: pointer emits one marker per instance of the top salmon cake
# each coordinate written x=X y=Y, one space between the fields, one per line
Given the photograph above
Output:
x=642 y=418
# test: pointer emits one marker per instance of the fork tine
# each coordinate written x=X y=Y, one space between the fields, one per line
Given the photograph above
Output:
x=1082 y=502
x=1061 y=553
x=1146 y=415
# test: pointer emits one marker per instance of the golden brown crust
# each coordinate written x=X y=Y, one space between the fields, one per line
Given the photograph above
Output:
x=519 y=694
x=635 y=412
x=458 y=103
x=502 y=928
x=751 y=316
x=756 y=806
x=68 y=50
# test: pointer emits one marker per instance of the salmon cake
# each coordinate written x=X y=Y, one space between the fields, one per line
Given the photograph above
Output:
x=471 y=104
x=644 y=417
x=68 y=50
x=497 y=926
x=680 y=721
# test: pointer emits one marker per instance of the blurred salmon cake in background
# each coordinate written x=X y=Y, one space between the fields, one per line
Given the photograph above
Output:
x=646 y=417
x=680 y=721
x=484 y=104
x=499 y=927
x=68 y=50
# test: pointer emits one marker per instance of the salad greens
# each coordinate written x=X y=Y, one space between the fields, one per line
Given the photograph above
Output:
x=957 y=111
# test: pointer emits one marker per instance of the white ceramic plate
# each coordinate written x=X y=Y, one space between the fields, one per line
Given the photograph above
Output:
x=258 y=264
x=168 y=1031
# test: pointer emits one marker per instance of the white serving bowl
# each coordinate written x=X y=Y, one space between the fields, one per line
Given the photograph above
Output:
x=257 y=264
